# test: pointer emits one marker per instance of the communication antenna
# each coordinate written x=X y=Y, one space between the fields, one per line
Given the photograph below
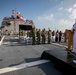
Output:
x=15 y=9
x=15 y=24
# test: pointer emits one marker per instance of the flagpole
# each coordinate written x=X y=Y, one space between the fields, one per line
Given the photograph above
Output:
x=14 y=22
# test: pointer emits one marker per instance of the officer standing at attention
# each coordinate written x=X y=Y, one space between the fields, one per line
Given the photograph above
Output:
x=43 y=36
x=39 y=36
x=49 y=36
x=33 y=36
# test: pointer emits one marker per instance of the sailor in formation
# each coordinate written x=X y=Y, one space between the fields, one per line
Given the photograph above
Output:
x=43 y=36
x=39 y=36
x=33 y=32
x=49 y=36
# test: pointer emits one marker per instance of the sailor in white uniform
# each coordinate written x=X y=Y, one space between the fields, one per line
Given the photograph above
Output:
x=74 y=38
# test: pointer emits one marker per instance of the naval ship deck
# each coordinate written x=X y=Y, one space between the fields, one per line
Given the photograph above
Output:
x=21 y=59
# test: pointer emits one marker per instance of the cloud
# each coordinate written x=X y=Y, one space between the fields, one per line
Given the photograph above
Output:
x=60 y=8
x=62 y=19
x=66 y=23
x=45 y=17
x=63 y=22
x=70 y=9
x=74 y=6
x=73 y=14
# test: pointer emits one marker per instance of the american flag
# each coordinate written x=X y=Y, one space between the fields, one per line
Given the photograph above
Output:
x=18 y=15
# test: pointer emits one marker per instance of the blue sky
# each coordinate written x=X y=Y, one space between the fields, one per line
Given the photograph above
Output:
x=53 y=14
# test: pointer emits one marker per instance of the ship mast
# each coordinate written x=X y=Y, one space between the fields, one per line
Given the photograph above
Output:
x=14 y=23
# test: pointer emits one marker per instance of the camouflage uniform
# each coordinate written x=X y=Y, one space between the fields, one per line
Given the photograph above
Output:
x=43 y=36
x=49 y=36
x=53 y=33
x=33 y=36
x=38 y=36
